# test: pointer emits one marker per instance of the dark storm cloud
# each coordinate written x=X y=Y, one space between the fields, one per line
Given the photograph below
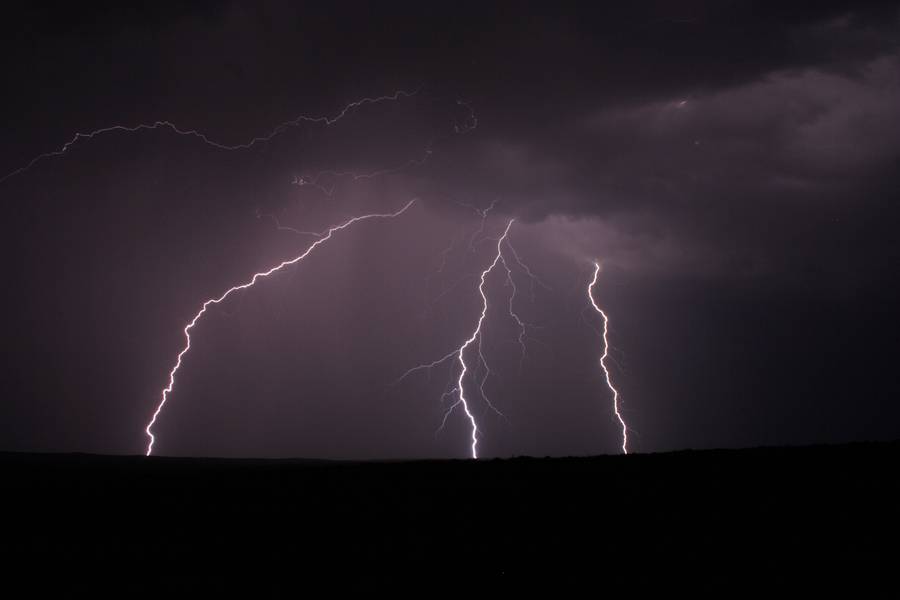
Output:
x=762 y=166
x=727 y=162
x=756 y=172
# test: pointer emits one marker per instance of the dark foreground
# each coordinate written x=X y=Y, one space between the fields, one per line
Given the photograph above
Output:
x=722 y=521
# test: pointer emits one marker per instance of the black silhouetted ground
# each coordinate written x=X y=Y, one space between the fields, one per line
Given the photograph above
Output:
x=720 y=521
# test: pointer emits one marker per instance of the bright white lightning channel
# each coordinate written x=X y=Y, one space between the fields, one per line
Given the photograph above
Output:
x=460 y=353
x=603 y=358
x=325 y=236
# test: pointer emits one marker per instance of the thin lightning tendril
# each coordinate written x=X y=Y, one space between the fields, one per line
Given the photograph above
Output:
x=281 y=227
x=328 y=190
x=471 y=123
x=483 y=213
x=603 y=358
x=483 y=364
x=534 y=278
x=256 y=277
x=522 y=325
x=279 y=129
x=444 y=396
x=446 y=251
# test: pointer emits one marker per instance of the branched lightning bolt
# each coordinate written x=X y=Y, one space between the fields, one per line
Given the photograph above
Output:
x=460 y=353
x=279 y=129
x=256 y=277
x=603 y=358
x=476 y=335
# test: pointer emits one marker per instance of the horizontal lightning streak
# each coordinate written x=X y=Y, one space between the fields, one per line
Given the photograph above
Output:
x=282 y=127
x=256 y=277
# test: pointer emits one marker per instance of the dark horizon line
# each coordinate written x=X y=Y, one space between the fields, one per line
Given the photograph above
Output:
x=793 y=448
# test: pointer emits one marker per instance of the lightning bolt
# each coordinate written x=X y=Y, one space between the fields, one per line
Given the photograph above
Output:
x=277 y=130
x=460 y=353
x=603 y=358
x=256 y=277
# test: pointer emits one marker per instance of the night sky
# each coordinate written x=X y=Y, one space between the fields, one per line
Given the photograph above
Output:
x=734 y=166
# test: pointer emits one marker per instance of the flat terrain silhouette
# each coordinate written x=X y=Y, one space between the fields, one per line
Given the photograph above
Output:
x=704 y=519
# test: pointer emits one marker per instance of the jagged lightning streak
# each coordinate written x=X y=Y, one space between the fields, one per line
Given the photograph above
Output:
x=460 y=353
x=475 y=335
x=256 y=277
x=609 y=384
x=279 y=129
